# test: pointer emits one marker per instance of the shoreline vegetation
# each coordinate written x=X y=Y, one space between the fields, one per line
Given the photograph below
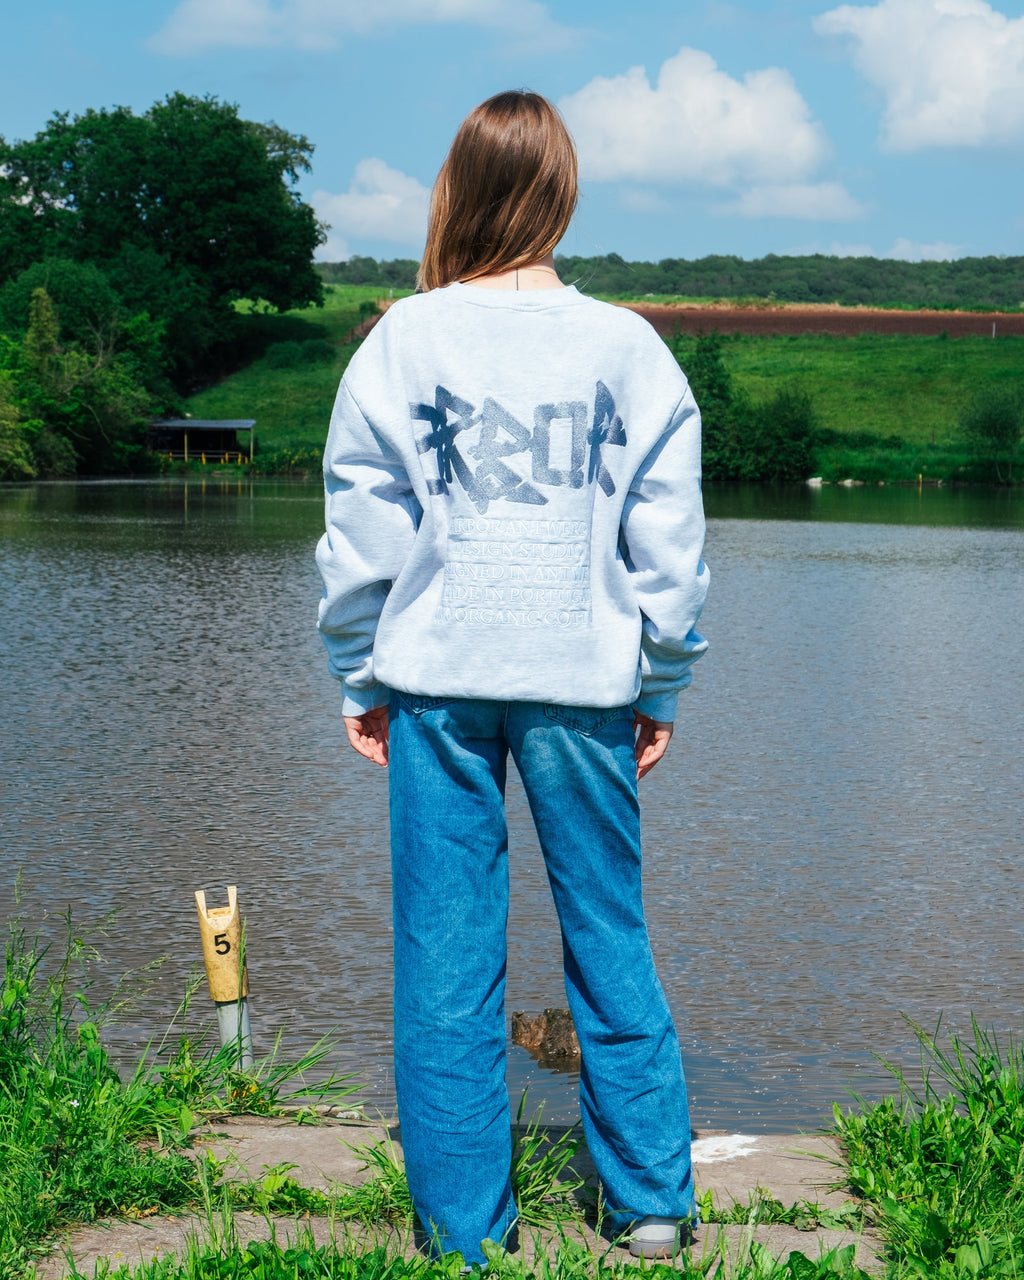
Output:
x=936 y=1172
x=789 y=391
x=864 y=408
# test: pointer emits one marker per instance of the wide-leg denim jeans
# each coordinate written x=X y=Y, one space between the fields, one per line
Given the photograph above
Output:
x=450 y=875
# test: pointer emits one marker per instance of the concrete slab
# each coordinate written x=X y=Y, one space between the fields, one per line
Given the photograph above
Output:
x=323 y=1154
x=735 y=1167
x=115 y=1243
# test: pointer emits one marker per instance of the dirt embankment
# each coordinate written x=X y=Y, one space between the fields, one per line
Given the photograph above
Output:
x=817 y=318
x=790 y=318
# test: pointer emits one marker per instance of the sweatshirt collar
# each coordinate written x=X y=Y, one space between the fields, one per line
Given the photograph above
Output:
x=517 y=300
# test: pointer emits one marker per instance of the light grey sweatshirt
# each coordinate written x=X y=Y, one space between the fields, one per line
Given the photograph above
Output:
x=513 y=506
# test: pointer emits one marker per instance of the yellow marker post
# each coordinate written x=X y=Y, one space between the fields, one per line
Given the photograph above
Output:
x=221 y=931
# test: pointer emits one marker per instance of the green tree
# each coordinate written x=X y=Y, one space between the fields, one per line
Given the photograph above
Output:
x=91 y=316
x=721 y=412
x=185 y=208
x=992 y=423
x=16 y=460
x=82 y=402
x=742 y=439
x=781 y=439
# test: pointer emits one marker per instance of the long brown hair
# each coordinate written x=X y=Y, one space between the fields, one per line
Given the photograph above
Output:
x=505 y=194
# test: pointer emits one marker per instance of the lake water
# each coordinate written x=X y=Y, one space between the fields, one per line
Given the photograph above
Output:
x=832 y=844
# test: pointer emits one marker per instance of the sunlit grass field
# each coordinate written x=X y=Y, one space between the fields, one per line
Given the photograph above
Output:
x=912 y=387
x=292 y=403
x=871 y=385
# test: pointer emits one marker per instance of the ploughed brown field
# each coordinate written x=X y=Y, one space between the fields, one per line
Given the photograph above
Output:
x=821 y=318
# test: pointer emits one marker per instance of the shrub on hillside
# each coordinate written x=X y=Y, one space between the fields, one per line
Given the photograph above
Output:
x=781 y=437
x=294 y=355
x=992 y=422
x=744 y=439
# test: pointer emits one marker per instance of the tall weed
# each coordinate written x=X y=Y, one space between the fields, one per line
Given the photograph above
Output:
x=944 y=1163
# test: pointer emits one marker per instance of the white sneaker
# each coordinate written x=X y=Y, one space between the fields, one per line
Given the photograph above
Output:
x=654 y=1237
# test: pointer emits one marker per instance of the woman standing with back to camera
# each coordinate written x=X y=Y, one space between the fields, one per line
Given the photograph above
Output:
x=512 y=565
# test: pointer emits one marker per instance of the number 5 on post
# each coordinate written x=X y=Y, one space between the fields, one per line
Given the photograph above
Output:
x=221 y=932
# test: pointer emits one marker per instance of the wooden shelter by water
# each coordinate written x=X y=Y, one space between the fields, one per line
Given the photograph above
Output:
x=213 y=439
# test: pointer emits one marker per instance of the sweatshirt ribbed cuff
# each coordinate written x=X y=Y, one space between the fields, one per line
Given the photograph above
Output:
x=356 y=702
x=659 y=706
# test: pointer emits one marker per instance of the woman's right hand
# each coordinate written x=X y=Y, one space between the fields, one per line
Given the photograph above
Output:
x=368 y=734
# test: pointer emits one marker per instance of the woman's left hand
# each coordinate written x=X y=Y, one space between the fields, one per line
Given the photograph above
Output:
x=652 y=739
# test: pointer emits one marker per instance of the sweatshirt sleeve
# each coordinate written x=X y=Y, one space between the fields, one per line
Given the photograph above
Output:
x=663 y=544
x=372 y=517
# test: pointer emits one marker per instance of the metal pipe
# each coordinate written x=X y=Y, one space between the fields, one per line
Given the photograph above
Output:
x=234 y=1029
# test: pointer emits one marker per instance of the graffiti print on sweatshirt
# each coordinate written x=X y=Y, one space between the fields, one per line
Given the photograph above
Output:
x=498 y=457
x=516 y=572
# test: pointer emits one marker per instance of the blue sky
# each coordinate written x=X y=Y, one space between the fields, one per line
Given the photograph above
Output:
x=894 y=127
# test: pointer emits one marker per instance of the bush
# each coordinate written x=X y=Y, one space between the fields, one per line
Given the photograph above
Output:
x=743 y=439
x=296 y=459
x=294 y=355
x=16 y=460
x=780 y=443
x=992 y=423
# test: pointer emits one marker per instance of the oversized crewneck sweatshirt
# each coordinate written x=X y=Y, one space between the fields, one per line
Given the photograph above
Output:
x=513 y=506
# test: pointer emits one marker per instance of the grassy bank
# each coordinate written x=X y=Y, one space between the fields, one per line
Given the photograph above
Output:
x=886 y=407
x=939 y=1170
x=911 y=387
x=80 y=1141
x=290 y=389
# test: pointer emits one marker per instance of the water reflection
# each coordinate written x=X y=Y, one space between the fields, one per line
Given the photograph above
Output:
x=978 y=507
x=831 y=843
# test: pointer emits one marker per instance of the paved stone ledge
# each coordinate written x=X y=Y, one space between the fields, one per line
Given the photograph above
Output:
x=733 y=1166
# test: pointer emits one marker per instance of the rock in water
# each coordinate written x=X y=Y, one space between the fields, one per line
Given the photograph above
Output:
x=549 y=1034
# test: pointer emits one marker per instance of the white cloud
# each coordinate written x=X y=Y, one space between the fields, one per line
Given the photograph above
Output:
x=699 y=126
x=915 y=251
x=813 y=201
x=904 y=250
x=196 y=26
x=381 y=204
x=640 y=200
x=839 y=250
x=951 y=71
x=696 y=125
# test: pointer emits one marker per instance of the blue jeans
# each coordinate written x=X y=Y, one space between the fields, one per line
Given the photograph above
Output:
x=450 y=881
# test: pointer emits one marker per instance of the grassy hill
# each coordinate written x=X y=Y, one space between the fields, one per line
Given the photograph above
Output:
x=290 y=389
x=867 y=391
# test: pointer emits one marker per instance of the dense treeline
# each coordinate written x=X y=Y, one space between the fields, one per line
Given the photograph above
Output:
x=399 y=273
x=988 y=284
x=745 y=439
x=125 y=243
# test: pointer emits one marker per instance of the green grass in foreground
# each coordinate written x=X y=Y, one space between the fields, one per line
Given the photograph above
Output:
x=944 y=1164
x=940 y=1170
x=304 y=1260
x=78 y=1141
